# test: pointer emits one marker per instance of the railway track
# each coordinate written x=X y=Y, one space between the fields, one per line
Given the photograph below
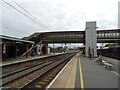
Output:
x=19 y=65
x=46 y=78
x=32 y=71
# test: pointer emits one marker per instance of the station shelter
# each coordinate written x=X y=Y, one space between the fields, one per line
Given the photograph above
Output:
x=13 y=47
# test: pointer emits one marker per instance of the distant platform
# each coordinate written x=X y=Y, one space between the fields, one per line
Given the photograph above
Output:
x=21 y=59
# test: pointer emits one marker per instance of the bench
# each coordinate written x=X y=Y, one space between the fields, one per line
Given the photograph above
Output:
x=105 y=63
x=99 y=60
x=108 y=65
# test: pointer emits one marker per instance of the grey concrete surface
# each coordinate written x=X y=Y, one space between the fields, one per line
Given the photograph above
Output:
x=77 y=80
x=96 y=76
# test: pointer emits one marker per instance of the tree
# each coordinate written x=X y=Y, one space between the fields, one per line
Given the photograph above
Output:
x=111 y=45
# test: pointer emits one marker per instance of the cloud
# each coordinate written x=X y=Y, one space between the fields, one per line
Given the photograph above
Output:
x=60 y=15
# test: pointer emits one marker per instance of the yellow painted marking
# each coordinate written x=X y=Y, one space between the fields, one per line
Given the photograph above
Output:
x=37 y=86
x=111 y=59
x=81 y=76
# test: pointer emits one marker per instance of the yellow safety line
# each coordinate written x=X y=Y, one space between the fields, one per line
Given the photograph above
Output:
x=81 y=77
x=111 y=59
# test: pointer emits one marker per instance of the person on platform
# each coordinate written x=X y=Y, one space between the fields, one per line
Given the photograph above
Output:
x=32 y=53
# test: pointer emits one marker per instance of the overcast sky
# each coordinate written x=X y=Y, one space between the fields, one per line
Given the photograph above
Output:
x=57 y=15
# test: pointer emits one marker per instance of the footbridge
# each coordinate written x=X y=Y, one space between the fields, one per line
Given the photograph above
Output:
x=103 y=36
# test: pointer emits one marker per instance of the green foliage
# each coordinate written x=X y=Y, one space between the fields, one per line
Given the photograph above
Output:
x=111 y=45
x=59 y=49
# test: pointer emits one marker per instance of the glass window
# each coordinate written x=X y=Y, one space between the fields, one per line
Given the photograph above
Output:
x=102 y=35
x=106 y=35
x=117 y=34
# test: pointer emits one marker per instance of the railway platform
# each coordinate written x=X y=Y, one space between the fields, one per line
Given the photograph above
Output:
x=21 y=59
x=82 y=72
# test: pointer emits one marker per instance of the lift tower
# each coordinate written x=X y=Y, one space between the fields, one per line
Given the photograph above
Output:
x=90 y=39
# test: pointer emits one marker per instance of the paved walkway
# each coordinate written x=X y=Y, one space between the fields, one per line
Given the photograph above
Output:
x=82 y=72
x=115 y=62
x=66 y=78
x=96 y=76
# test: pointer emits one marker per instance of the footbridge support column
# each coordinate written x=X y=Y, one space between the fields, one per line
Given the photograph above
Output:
x=90 y=39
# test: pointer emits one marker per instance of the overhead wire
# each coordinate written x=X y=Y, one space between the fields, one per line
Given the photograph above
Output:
x=22 y=13
x=12 y=28
x=29 y=13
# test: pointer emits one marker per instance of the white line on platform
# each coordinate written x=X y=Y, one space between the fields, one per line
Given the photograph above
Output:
x=57 y=75
x=115 y=73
